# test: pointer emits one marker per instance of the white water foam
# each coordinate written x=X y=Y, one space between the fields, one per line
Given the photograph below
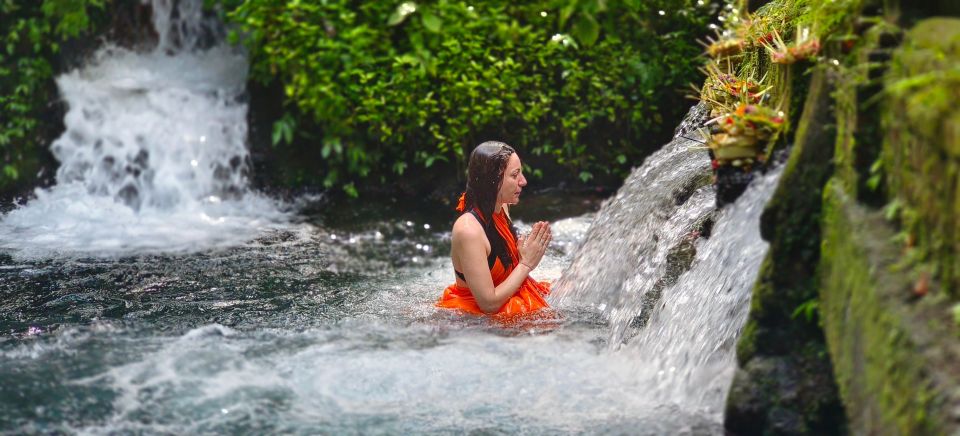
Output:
x=687 y=349
x=627 y=268
x=154 y=154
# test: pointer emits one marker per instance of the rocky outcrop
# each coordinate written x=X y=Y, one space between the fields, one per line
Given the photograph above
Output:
x=857 y=301
x=783 y=384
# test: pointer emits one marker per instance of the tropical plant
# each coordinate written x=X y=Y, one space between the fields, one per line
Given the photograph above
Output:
x=32 y=33
x=588 y=87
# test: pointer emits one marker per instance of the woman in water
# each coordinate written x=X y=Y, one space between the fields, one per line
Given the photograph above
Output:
x=491 y=265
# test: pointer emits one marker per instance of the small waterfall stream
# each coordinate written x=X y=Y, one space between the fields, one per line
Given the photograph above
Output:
x=624 y=254
x=672 y=276
x=688 y=346
x=154 y=155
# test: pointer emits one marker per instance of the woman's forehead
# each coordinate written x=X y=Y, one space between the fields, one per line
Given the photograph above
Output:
x=513 y=162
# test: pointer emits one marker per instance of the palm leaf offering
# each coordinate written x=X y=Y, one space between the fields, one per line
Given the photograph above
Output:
x=804 y=47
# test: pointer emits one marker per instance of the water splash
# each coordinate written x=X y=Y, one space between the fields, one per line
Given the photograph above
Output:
x=672 y=276
x=263 y=339
x=625 y=252
x=154 y=154
x=688 y=346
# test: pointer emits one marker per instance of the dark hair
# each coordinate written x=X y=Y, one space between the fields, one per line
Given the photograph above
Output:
x=484 y=177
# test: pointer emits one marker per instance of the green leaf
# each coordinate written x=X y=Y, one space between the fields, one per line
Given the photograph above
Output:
x=332 y=178
x=566 y=12
x=275 y=138
x=809 y=309
x=407 y=59
x=431 y=22
x=283 y=130
x=585 y=29
x=876 y=175
x=351 y=190
x=401 y=13
x=585 y=176
x=892 y=210
x=11 y=172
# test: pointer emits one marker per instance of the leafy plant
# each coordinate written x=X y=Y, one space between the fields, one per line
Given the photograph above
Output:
x=809 y=309
x=584 y=87
x=32 y=32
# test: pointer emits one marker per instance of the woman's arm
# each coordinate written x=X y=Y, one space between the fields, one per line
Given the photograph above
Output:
x=470 y=247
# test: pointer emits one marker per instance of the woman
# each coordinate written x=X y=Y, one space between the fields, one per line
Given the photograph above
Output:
x=492 y=267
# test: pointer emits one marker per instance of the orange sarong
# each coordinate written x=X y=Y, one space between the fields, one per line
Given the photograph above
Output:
x=527 y=299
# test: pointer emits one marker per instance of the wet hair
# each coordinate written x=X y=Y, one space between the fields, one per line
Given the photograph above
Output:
x=485 y=171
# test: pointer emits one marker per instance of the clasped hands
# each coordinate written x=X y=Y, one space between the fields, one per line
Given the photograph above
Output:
x=533 y=245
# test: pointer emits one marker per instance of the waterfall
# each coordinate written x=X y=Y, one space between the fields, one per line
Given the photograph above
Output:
x=688 y=347
x=672 y=276
x=624 y=254
x=154 y=155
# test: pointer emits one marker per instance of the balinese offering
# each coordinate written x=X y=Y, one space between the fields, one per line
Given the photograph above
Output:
x=806 y=46
x=739 y=138
x=724 y=89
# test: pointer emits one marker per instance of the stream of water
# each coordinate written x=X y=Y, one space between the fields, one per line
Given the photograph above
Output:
x=151 y=291
x=154 y=154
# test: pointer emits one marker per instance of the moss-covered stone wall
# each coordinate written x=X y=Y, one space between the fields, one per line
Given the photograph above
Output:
x=862 y=279
x=921 y=146
x=894 y=355
x=888 y=270
x=784 y=385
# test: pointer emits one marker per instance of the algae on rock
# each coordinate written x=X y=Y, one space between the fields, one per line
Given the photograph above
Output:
x=921 y=147
x=882 y=124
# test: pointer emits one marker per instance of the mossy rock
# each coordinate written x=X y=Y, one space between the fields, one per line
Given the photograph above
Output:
x=859 y=87
x=786 y=395
x=894 y=353
x=773 y=393
x=921 y=148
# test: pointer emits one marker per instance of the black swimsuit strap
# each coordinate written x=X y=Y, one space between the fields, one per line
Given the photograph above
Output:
x=491 y=233
x=488 y=230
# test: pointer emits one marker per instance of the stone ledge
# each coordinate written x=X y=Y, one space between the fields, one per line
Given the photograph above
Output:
x=894 y=354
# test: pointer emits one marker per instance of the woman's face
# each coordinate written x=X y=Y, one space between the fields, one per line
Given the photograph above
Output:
x=513 y=181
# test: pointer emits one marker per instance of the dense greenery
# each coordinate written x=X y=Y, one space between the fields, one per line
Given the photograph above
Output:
x=372 y=91
x=387 y=88
x=32 y=32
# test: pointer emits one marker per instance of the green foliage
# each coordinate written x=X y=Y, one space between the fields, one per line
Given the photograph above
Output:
x=876 y=175
x=384 y=87
x=31 y=34
x=808 y=309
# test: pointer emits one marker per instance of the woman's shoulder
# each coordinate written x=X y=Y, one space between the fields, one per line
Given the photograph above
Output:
x=467 y=227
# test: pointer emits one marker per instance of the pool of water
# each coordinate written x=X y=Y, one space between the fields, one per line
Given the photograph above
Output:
x=326 y=326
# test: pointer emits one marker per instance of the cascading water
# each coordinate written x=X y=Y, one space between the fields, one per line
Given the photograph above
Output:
x=624 y=254
x=154 y=154
x=687 y=349
x=630 y=268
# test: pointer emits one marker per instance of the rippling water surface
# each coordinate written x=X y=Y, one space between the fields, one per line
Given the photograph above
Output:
x=261 y=319
x=326 y=326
